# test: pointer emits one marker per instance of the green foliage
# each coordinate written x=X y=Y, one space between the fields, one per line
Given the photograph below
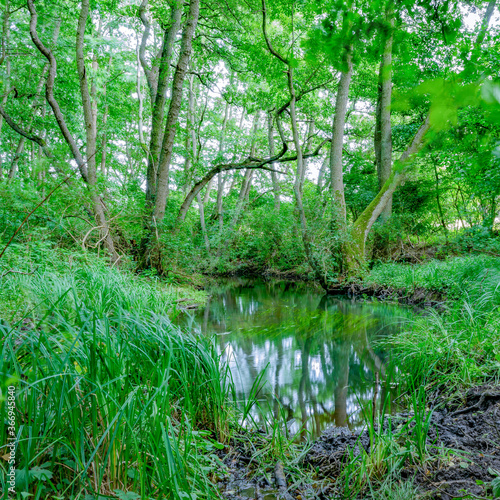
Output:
x=102 y=390
x=459 y=348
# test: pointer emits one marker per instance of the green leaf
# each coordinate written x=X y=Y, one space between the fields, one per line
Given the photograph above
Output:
x=129 y=495
x=39 y=473
x=495 y=484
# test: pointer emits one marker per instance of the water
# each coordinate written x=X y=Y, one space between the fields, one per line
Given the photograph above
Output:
x=315 y=353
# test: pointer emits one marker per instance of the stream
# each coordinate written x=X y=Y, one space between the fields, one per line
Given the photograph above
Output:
x=313 y=358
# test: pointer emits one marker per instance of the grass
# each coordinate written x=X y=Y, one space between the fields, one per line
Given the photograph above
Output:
x=111 y=399
x=461 y=346
x=49 y=271
x=114 y=401
x=457 y=277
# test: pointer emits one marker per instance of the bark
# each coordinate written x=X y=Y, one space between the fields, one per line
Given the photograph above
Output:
x=159 y=100
x=383 y=134
x=249 y=163
x=17 y=128
x=297 y=188
x=220 y=179
x=89 y=102
x=219 y=152
x=322 y=171
x=300 y=156
x=274 y=176
x=4 y=57
x=49 y=92
x=191 y=141
x=87 y=169
x=337 y=144
x=201 y=209
x=173 y=112
x=355 y=251
x=247 y=178
x=22 y=139
x=151 y=73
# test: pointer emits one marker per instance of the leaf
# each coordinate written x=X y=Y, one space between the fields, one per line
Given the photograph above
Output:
x=21 y=478
x=495 y=484
x=39 y=473
x=493 y=472
x=464 y=465
x=217 y=445
x=129 y=495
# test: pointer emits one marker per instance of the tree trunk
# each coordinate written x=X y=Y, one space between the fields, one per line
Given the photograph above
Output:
x=322 y=171
x=337 y=144
x=297 y=187
x=383 y=134
x=274 y=176
x=86 y=168
x=354 y=253
x=202 y=222
x=247 y=178
x=159 y=100
x=173 y=112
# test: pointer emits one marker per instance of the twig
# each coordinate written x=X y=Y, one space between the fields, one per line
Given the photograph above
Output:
x=31 y=213
x=12 y=271
x=484 y=395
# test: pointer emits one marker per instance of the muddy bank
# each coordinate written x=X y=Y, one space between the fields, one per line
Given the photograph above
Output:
x=472 y=432
x=462 y=458
x=419 y=296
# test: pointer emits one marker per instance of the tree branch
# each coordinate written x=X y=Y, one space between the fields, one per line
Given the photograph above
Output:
x=17 y=128
x=49 y=92
x=266 y=38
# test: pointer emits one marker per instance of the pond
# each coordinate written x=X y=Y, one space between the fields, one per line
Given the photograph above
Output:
x=312 y=355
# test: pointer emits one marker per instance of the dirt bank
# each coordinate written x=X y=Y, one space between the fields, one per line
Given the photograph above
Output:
x=463 y=446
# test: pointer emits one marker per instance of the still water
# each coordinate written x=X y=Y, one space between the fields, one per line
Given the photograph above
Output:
x=315 y=353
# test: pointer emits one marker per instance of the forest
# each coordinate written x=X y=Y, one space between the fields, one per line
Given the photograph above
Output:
x=250 y=249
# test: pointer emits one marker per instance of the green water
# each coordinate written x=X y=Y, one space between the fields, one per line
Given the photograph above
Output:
x=317 y=352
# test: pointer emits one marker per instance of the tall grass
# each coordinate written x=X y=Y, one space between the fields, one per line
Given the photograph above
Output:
x=457 y=348
x=111 y=399
x=456 y=277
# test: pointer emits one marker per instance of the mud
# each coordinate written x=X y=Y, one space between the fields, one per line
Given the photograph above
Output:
x=464 y=446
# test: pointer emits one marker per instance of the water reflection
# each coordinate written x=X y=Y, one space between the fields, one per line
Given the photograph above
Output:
x=316 y=350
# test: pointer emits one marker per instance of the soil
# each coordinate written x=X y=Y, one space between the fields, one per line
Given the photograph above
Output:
x=472 y=432
x=463 y=443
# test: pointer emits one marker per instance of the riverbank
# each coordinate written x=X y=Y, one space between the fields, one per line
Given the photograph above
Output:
x=449 y=366
x=91 y=330
x=448 y=444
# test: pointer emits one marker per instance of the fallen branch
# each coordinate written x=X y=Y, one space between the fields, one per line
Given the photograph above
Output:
x=12 y=271
x=279 y=475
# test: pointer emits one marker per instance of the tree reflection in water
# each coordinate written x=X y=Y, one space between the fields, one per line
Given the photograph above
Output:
x=317 y=350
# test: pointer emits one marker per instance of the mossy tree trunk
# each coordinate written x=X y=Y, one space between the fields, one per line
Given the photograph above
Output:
x=354 y=250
